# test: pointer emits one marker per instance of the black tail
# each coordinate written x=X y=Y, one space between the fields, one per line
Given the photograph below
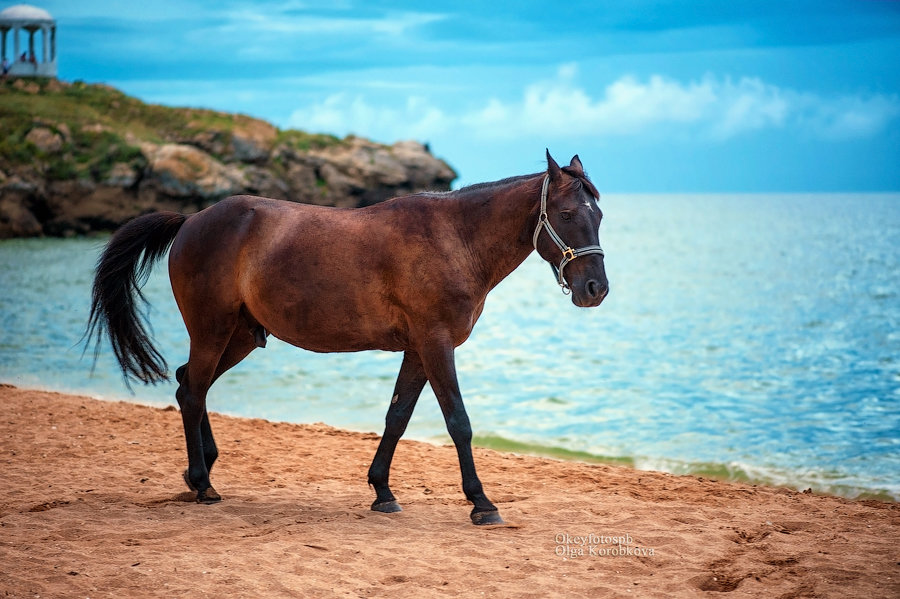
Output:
x=121 y=271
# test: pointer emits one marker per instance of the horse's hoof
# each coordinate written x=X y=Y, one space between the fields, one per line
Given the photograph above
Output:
x=187 y=481
x=482 y=518
x=387 y=507
x=208 y=496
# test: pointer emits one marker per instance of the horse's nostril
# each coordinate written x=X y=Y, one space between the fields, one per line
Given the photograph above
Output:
x=596 y=290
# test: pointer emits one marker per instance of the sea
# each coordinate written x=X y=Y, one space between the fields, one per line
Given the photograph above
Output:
x=745 y=337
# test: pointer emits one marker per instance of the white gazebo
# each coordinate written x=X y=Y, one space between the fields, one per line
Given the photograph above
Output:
x=24 y=61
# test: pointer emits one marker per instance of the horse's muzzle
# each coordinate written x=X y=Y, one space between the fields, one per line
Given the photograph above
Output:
x=593 y=294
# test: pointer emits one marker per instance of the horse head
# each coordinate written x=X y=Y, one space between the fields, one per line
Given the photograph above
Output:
x=567 y=232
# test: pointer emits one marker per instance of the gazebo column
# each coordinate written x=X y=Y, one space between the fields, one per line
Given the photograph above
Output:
x=44 y=35
x=53 y=44
x=4 y=32
x=16 y=42
x=31 y=45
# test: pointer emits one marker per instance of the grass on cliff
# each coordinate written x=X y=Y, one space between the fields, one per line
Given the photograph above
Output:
x=102 y=126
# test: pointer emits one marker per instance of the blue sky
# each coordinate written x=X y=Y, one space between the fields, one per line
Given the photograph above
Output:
x=655 y=96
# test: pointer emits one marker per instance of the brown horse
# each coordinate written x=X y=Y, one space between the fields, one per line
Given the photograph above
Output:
x=410 y=274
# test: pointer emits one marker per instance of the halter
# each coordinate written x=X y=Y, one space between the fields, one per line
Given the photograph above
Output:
x=568 y=253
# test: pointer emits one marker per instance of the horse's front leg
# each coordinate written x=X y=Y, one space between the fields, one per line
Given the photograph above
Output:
x=438 y=361
x=410 y=383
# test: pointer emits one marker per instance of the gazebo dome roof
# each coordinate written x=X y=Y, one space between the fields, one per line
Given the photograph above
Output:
x=25 y=13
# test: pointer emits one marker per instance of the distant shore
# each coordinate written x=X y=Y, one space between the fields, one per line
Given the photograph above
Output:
x=92 y=503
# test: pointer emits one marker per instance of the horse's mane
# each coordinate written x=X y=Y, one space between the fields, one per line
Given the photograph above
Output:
x=479 y=187
x=502 y=183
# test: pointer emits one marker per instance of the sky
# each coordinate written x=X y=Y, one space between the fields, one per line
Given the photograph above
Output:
x=655 y=96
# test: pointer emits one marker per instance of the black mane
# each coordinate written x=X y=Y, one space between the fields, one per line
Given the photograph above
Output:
x=479 y=187
x=492 y=185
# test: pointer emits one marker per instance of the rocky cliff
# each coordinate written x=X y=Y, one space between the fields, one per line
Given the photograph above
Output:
x=76 y=158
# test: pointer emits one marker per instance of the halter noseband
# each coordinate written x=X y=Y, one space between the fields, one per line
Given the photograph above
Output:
x=568 y=253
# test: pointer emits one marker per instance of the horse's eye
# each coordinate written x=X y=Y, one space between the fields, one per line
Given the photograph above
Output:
x=566 y=215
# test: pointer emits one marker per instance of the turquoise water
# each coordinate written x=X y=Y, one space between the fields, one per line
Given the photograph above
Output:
x=746 y=337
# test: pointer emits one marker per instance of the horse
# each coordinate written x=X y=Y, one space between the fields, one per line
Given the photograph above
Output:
x=409 y=275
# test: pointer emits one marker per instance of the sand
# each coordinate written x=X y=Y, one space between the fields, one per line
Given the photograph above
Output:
x=92 y=504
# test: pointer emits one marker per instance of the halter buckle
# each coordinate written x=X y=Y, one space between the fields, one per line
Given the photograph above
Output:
x=568 y=254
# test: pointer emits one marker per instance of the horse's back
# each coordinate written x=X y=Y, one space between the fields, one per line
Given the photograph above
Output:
x=317 y=277
x=327 y=279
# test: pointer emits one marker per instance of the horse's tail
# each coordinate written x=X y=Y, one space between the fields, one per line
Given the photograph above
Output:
x=122 y=269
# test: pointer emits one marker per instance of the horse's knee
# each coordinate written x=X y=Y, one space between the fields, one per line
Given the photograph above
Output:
x=395 y=425
x=459 y=428
x=379 y=470
x=179 y=374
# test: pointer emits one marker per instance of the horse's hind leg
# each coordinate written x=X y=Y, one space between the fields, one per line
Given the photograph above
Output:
x=210 y=451
x=410 y=383
x=191 y=397
x=241 y=343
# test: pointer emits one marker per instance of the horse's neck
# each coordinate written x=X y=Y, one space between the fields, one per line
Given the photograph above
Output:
x=501 y=226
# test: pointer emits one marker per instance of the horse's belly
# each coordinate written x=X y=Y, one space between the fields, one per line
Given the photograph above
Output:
x=327 y=325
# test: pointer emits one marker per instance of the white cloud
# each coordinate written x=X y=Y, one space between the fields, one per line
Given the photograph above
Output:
x=850 y=116
x=750 y=104
x=342 y=114
x=711 y=108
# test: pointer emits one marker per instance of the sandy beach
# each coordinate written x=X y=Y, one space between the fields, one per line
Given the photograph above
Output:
x=92 y=504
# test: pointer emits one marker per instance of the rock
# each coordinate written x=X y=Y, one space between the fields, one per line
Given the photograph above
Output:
x=121 y=175
x=212 y=142
x=365 y=161
x=249 y=140
x=304 y=183
x=16 y=220
x=55 y=85
x=252 y=140
x=263 y=182
x=27 y=86
x=46 y=140
x=80 y=207
x=64 y=130
x=17 y=184
x=180 y=170
x=372 y=173
x=95 y=128
x=422 y=169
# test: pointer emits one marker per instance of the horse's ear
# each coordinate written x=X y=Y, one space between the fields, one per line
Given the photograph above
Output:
x=552 y=168
x=575 y=167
